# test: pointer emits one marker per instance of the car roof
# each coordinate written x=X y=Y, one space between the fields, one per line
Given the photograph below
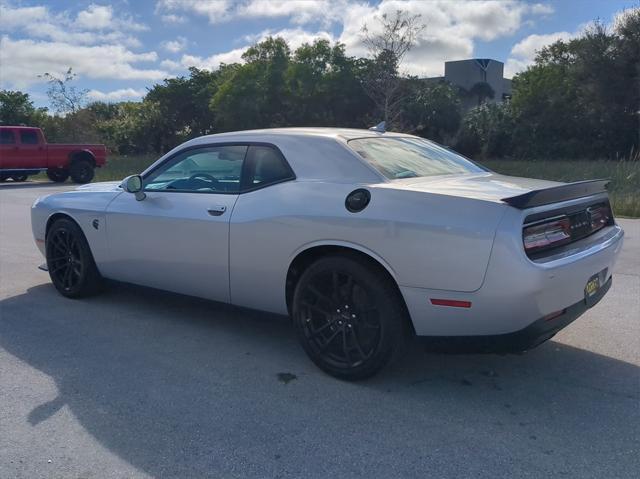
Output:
x=328 y=132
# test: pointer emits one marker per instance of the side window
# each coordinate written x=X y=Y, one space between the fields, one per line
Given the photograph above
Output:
x=215 y=169
x=28 y=137
x=7 y=138
x=265 y=166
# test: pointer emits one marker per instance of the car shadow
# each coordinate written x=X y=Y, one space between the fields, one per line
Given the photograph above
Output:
x=182 y=387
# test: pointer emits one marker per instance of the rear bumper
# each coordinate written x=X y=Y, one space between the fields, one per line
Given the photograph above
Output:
x=517 y=291
x=533 y=335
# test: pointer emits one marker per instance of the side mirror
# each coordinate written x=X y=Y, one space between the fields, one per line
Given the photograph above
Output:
x=133 y=184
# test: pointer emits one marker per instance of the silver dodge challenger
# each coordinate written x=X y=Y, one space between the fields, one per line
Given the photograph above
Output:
x=364 y=237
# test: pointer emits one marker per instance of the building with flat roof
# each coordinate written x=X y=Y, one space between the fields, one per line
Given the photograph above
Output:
x=481 y=80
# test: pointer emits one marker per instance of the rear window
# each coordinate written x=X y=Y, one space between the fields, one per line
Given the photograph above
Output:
x=397 y=157
x=6 y=137
x=28 y=137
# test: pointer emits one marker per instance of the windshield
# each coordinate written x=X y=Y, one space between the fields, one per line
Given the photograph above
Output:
x=398 y=157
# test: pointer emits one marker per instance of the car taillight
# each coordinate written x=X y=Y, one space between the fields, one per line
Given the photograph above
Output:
x=600 y=216
x=548 y=234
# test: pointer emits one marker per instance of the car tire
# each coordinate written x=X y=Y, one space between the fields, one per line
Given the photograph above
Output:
x=71 y=266
x=19 y=178
x=58 y=175
x=3 y=178
x=81 y=171
x=349 y=316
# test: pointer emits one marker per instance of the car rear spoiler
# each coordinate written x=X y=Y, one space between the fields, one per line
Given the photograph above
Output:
x=556 y=194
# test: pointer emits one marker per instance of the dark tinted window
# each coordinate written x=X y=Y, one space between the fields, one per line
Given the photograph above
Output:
x=215 y=169
x=6 y=137
x=265 y=166
x=28 y=137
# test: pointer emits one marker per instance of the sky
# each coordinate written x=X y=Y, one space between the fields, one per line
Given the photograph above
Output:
x=119 y=49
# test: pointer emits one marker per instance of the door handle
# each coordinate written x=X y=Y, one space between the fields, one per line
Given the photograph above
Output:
x=217 y=210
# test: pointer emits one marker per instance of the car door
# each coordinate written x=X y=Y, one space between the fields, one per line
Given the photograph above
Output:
x=31 y=151
x=177 y=238
x=9 y=151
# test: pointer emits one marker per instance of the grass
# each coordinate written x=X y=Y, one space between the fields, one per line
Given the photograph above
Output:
x=624 y=189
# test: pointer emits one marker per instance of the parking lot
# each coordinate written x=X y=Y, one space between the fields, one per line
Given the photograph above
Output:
x=140 y=383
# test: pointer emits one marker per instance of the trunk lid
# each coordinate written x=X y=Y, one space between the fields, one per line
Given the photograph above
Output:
x=484 y=186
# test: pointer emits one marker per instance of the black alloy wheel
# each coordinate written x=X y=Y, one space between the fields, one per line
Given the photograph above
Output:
x=69 y=260
x=349 y=317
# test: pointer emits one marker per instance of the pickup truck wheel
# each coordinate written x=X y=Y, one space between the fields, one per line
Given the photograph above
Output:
x=59 y=175
x=349 y=317
x=70 y=262
x=19 y=178
x=81 y=171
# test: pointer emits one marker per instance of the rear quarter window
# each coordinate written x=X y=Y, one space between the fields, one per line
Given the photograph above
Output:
x=28 y=137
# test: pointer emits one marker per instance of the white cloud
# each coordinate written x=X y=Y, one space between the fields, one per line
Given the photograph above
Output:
x=95 y=25
x=524 y=52
x=215 y=10
x=117 y=95
x=23 y=60
x=173 y=19
x=15 y=18
x=300 y=12
x=451 y=29
x=175 y=46
x=542 y=9
x=95 y=17
x=212 y=62
x=294 y=37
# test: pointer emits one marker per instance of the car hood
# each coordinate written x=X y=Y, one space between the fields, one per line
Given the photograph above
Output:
x=100 y=187
x=481 y=186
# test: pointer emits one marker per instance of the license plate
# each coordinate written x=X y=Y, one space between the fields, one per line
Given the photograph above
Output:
x=592 y=287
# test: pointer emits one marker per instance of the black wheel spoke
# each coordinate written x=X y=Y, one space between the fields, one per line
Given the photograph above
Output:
x=324 y=347
x=318 y=332
x=349 y=289
x=345 y=347
x=335 y=291
x=357 y=344
x=320 y=295
x=315 y=307
x=58 y=268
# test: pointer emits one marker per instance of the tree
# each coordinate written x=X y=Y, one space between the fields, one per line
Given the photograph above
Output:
x=433 y=110
x=581 y=97
x=482 y=91
x=394 y=36
x=16 y=108
x=324 y=87
x=486 y=131
x=184 y=105
x=63 y=95
x=254 y=95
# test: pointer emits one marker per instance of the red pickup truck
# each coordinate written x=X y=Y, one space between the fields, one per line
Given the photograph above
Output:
x=24 y=152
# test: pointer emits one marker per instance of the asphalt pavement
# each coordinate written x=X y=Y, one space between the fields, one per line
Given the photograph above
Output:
x=138 y=383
